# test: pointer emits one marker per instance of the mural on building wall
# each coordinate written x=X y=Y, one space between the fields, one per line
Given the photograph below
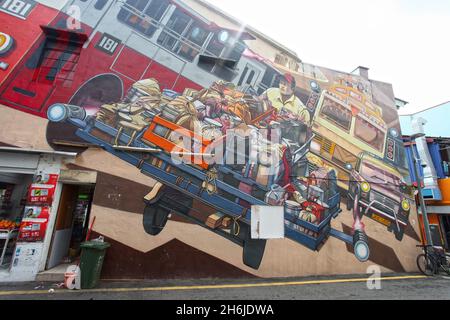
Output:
x=7 y=45
x=157 y=83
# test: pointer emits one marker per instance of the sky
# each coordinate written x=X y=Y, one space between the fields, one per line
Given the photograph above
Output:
x=402 y=42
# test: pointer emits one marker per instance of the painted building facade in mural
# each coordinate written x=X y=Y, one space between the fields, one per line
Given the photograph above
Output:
x=198 y=108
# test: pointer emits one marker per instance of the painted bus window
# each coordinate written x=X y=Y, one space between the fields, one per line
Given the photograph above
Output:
x=369 y=134
x=222 y=46
x=57 y=61
x=143 y=15
x=343 y=157
x=100 y=4
x=337 y=114
x=197 y=35
x=183 y=35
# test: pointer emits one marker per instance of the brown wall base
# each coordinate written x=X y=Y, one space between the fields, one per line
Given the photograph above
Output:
x=173 y=260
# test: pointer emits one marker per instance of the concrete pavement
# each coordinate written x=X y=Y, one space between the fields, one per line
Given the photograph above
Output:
x=391 y=287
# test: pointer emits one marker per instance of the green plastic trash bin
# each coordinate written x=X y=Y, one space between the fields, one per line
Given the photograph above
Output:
x=92 y=256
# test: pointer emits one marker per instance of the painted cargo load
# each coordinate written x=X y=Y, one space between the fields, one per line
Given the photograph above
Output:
x=221 y=146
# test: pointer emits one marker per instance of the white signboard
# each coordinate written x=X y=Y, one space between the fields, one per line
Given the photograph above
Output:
x=25 y=261
x=267 y=222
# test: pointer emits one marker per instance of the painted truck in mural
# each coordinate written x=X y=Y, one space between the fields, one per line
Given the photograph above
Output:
x=187 y=102
x=149 y=127
x=382 y=194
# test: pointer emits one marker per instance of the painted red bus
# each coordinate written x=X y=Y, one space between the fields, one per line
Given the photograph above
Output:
x=95 y=59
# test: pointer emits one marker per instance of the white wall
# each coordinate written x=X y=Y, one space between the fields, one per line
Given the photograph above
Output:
x=56 y=4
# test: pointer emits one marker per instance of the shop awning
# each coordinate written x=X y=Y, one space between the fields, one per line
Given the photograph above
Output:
x=25 y=161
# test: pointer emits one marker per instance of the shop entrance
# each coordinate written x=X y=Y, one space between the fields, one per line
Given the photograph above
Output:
x=446 y=230
x=71 y=224
x=13 y=193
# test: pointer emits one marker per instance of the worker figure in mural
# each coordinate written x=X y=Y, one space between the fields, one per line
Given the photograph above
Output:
x=284 y=100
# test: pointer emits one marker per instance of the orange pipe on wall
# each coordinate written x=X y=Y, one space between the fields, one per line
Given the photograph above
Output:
x=444 y=185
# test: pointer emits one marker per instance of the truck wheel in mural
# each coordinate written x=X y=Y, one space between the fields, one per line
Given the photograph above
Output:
x=99 y=90
x=253 y=251
x=160 y=202
x=155 y=219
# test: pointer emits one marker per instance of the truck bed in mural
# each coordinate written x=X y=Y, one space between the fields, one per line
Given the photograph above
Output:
x=190 y=104
x=209 y=132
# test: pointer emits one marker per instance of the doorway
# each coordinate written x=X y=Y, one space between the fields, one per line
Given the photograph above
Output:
x=446 y=230
x=71 y=224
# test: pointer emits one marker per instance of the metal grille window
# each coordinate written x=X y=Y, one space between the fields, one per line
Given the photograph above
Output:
x=143 y=15
x=58 y=59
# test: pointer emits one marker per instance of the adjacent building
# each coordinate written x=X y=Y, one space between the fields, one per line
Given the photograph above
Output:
x=436 y=156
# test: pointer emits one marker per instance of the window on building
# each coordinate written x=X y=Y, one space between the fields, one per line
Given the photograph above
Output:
x=183 y=35
x=59 y=58
x=436 y=235
x=281 y=59
x=143 y=15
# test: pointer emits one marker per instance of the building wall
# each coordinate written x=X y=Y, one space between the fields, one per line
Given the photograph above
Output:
x=433 y=116
x=183 y=249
